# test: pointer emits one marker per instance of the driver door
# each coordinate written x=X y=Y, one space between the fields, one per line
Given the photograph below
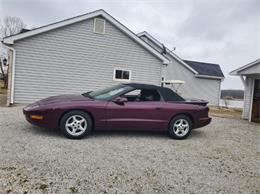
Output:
x=136 y=113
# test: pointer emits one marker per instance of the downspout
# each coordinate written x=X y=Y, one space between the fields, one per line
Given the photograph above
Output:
x=13 y=71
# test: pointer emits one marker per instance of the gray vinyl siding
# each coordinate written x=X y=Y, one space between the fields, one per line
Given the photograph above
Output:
x=74 y=59
x=199 y=88
x=151 y=43
x=247 y=97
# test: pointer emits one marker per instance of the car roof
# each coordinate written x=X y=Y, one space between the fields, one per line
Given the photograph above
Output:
x=142 y=86
x=166 y=93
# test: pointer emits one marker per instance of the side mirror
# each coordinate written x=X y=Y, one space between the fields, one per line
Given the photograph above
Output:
x=120 y=100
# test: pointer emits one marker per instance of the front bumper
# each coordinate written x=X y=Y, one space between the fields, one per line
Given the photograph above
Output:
x=47 y=121
x=28 y=114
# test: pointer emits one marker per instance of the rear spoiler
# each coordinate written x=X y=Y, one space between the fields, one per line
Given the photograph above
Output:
x=196 y=102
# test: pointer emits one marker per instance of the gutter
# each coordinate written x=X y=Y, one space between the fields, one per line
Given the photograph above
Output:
x=13 y=71
x=209 y=77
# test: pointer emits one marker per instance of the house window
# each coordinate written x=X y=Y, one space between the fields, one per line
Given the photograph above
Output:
x=99 y=25
x=122 y=75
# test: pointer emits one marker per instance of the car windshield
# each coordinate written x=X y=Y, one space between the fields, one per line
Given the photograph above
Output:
x=107 y=93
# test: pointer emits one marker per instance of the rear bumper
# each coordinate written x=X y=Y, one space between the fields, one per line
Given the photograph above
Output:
x=203 y=122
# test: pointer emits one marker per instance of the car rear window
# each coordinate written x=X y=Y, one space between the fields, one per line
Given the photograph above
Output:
x=169 y=95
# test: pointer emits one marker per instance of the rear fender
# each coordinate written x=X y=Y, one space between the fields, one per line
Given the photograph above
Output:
x=186 y=114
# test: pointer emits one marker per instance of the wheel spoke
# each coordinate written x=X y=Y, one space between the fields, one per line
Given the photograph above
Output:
x=74 y=118
x=73 y=130
x=81 y=120
x=69 y=124
x=81 y=128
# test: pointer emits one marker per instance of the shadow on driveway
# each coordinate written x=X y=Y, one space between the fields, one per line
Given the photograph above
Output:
x=195 y=134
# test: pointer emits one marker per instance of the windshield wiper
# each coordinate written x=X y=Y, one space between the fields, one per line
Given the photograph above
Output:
x=87 y=95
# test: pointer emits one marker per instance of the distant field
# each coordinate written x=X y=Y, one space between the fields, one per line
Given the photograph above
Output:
x=232 y=93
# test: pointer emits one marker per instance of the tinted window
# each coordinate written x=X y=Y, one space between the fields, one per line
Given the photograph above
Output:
x=143 y=95
x=169 y=95
x=149 y=95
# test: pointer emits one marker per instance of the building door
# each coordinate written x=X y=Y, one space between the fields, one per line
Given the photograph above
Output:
x=255 y=117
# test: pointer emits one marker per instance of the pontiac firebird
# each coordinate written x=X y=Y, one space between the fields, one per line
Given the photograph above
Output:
x=129 y=106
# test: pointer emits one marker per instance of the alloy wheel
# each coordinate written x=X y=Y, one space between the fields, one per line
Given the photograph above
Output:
x=181 y=127
x=76 y=125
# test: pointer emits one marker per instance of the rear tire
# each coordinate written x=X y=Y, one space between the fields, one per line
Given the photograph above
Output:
x=180 y=127
x=76 y=124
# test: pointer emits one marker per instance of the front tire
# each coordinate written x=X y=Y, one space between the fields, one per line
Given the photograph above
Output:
x=76 y=124
x=180 y=127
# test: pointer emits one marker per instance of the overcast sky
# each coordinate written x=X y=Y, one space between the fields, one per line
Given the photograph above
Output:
x=226 y=32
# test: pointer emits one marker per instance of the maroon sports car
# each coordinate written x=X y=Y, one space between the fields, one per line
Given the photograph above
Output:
x=122 y=107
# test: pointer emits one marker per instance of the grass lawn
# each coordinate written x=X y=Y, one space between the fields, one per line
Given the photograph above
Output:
x=225 y=112
x=2 y=91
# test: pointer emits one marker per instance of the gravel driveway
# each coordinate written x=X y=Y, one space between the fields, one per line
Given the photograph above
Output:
x=223 y=157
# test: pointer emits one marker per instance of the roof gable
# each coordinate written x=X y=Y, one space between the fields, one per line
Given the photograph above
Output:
x=160 y=45
x=246 y=69
x=200 y=69
x=11 y=39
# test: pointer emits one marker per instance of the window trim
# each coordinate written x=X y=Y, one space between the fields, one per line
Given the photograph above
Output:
x=122 y=69
x=104 y=31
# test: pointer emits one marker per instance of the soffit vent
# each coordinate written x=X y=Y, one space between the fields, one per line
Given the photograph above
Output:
x=99 y=25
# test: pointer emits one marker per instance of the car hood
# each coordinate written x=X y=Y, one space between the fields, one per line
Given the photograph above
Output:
x=62 y=98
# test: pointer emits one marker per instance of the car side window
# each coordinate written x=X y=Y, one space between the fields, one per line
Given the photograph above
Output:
x=149 y=95
x=132 y=95
x=143 y=95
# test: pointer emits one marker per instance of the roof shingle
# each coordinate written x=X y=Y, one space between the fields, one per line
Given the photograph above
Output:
x=203 y=68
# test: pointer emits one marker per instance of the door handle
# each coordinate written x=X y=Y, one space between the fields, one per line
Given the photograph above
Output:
x=158 y=108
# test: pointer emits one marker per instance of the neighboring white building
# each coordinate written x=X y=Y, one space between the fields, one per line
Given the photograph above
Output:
x=93 y=51
x=250 y=76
